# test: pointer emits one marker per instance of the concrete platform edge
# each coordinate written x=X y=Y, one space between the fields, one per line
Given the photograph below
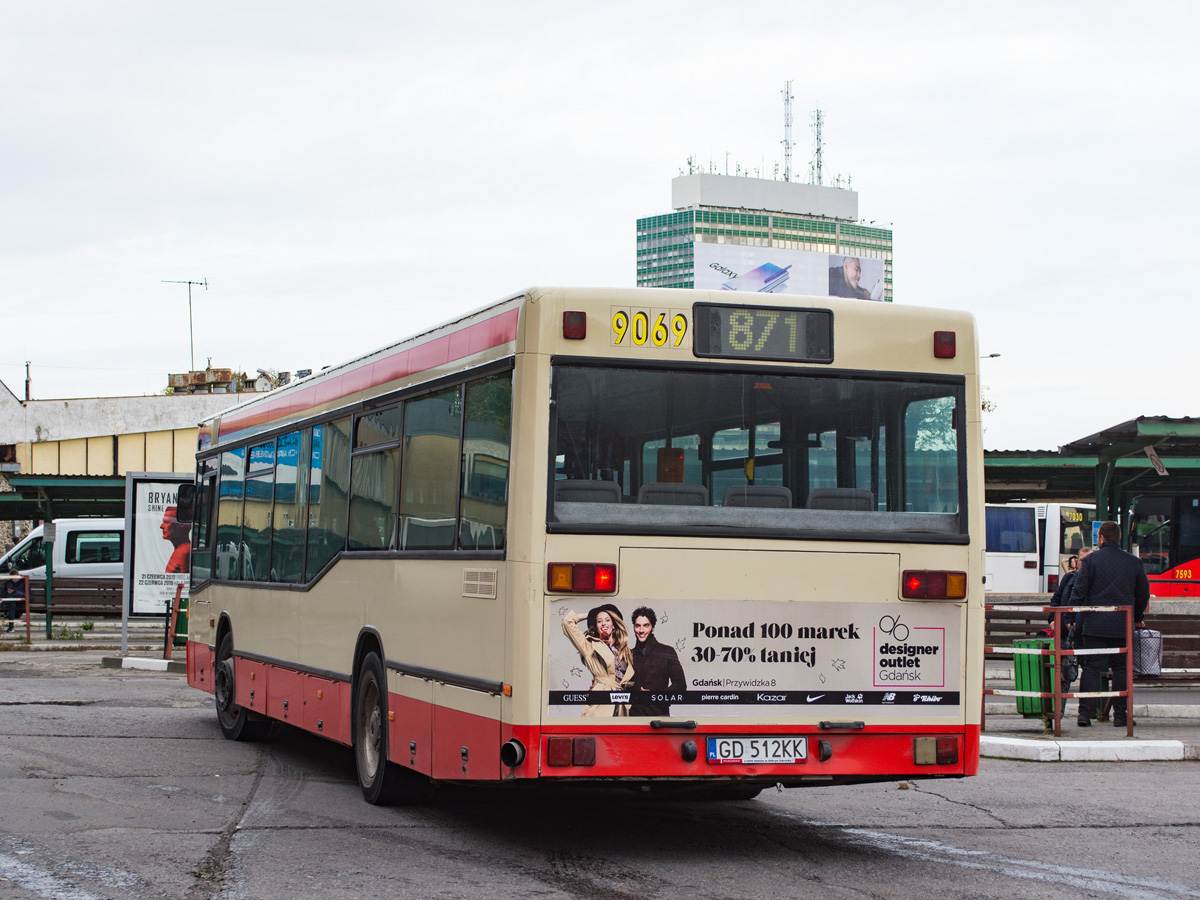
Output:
x=175 y=667
x=1090 y=751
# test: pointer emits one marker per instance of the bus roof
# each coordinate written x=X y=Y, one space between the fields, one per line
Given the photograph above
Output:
x=486 y=334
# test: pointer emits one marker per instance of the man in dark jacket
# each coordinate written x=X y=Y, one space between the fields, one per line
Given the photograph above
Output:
x=656 y=668
x=1108 y=577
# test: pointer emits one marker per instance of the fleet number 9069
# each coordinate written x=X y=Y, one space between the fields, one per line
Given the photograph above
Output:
x=649 y=327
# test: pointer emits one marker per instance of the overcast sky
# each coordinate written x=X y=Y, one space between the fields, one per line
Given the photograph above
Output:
x=346 y=174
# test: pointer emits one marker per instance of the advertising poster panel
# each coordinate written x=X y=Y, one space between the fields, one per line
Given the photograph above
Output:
x=757 y=658
x=731 y=267
x=161 y=547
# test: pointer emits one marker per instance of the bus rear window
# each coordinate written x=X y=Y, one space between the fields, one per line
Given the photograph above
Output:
x=654 y=451
x=1011 y=529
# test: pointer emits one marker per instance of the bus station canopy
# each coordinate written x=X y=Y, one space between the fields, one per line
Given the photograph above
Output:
x=1109 y=468
x=62 y=497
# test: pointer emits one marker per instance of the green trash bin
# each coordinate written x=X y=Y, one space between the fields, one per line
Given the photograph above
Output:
x=1032 y=673
x=181 y=624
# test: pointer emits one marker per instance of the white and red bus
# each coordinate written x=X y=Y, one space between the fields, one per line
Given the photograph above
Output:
x=447 y=553
x=1029 y=545
x=1165 y=534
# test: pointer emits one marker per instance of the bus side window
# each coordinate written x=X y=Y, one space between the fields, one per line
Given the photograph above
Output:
x=483 y=506
x=288 y=513
x=429 y=471
x=329 y=474
x=229 y=514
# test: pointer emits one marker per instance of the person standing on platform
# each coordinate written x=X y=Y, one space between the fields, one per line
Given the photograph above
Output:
x=1108 y=577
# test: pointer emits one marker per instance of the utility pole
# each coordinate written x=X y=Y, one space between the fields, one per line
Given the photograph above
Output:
x=191 y=334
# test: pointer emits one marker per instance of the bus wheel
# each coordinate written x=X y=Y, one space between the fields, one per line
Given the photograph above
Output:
x=383 y=783
x=236 y=723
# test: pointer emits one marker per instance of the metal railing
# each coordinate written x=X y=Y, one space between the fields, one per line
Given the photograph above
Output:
x=1058 y=652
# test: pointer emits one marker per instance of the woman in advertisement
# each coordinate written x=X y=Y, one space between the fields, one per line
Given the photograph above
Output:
x=605 y=651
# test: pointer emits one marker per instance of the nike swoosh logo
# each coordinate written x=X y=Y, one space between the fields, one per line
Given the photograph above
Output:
x=810 y=698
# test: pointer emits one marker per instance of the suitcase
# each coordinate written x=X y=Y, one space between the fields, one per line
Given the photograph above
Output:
x=1147 y=651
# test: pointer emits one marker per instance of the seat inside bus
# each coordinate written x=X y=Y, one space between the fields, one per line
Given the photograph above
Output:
x=841 y=498
x=665 y=493
x=766 y=496
x=579 y=490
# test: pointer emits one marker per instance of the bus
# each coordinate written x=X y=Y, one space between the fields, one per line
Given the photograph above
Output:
x=673 y=540
x=1165 y=535
x=1029 y=544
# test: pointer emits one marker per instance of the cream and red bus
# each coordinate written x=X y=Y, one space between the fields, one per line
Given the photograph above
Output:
x=679 y=540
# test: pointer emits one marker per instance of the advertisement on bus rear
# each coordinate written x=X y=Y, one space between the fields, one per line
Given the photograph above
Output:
x=770 y=270
x=752 y=658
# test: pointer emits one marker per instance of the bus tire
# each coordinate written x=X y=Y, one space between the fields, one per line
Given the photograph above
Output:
x=383 y=783
x=237 y=724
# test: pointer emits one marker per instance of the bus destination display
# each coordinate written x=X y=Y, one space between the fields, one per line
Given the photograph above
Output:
x=763 y=332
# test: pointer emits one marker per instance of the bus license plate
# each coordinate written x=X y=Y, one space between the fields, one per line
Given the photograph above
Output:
x=774 y=749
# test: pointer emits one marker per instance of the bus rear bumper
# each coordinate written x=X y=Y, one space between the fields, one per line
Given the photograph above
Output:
x=880 y=753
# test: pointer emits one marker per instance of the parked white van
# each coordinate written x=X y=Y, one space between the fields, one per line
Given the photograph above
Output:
x=83 y=548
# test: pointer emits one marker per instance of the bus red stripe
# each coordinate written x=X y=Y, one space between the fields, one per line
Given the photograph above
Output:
x=474 y=338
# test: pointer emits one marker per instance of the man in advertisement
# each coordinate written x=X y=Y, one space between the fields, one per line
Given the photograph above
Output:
x=843 y=280
x=180 y=536
x=656 y=668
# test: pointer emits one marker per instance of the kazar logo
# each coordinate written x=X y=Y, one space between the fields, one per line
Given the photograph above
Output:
x=619 y=698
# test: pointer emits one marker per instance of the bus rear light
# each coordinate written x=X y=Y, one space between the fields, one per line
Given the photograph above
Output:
x=929 y=584
x=1051 y=583
x=582 y=578
x=575 y=325
x=944 y=344
x=947 y=751
x=942 y=751
x=566 y=751
x=583 y=751
x=558 y=751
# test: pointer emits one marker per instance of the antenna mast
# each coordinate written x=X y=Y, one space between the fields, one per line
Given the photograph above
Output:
x=817 y=119
x=787 y=131
x=191 y=334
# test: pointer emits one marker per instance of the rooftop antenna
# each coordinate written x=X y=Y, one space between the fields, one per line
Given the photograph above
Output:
x=787 y=131
x=191 y=334
x=817 y=119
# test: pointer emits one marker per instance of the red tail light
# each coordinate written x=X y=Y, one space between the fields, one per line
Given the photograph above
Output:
x=575 y=325
x=945 y=344
x=565 y=751
x=932 y=584
x=581 y=578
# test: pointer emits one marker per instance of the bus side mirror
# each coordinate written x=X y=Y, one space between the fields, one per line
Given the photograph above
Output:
x=186 y=502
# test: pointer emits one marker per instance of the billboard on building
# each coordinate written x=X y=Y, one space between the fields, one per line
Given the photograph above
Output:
x=732 y=267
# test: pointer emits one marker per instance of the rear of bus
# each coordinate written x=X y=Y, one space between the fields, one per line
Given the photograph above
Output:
x=788 y=492
x=1011 y=560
